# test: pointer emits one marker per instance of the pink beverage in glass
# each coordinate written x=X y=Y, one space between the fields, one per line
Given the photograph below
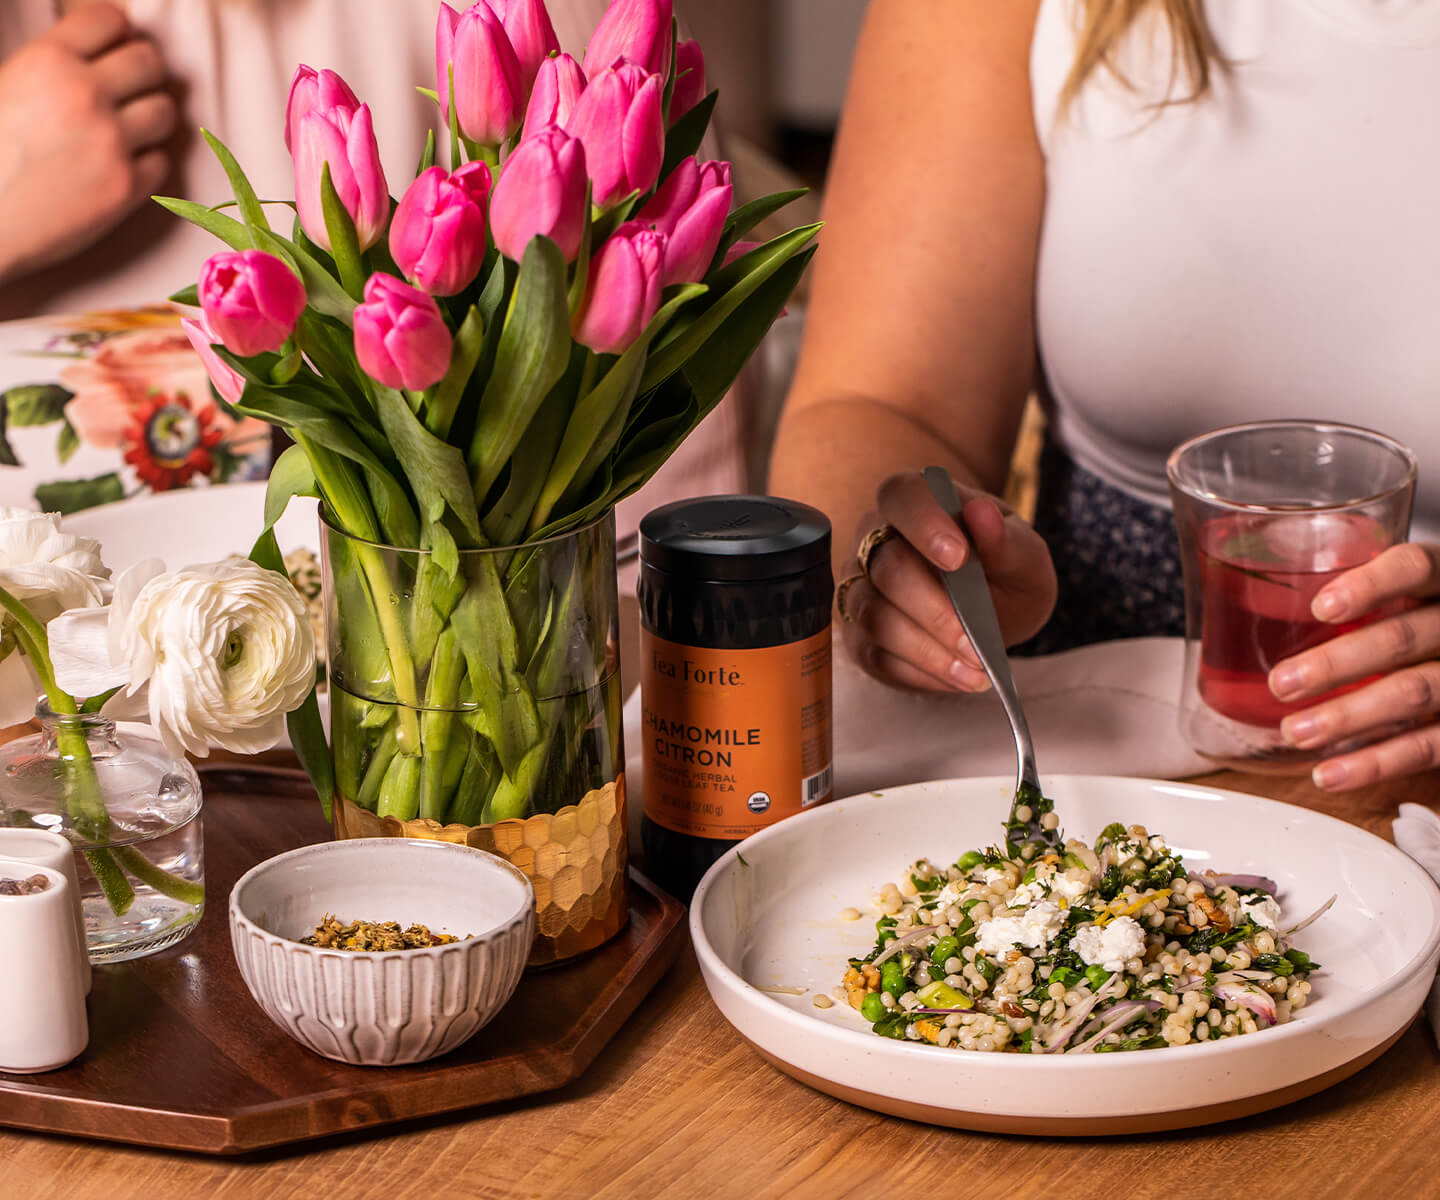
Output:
x=1258 y=574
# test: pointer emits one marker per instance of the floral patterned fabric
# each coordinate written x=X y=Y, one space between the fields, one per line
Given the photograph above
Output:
x=105 y=406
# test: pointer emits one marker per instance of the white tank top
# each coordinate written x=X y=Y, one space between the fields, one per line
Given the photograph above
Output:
x=1270 y=251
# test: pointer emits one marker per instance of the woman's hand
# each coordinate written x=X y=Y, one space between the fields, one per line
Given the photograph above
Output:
x=83 y=114
x=1403 y=649
x=898 y=623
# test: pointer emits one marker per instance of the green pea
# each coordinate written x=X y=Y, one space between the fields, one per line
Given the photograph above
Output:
x=872 y=1008
x=945 y=949
x=892 y=978
x=969 y=861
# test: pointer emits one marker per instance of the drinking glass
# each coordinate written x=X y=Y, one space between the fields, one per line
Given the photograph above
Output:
x=1268 y=514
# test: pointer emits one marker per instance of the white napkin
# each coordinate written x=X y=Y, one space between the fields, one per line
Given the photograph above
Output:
x=1417 y=832
x=1108 y=709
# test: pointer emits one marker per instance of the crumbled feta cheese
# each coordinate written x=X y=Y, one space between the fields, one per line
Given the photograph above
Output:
x=1110 y=945
x=994 y=875
x=949 y=894
x=1032 y=929
x=1125 y=849
x=1071 y=885
x=1262 y=910
x=1027 y=894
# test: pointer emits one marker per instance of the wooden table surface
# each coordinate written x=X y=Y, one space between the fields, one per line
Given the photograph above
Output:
x=678 y=1106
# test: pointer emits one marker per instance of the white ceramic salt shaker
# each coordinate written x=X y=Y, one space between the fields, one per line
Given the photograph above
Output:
x=48 y=849
x=42 y=1005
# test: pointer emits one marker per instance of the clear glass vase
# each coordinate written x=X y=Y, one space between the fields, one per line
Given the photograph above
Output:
x=132 y=811
x=481 y=704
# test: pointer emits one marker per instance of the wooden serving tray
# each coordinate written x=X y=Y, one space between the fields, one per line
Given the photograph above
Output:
x=180 y=1056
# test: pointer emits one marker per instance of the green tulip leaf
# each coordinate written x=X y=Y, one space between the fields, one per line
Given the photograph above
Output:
x=445 y=398
x=748 y=275
x=530 y=465
x=251 y=210
x=227 y=229
x=188 y=296
x=684 y=137
x=291 y=476
x=532 y=354
x=435 y=468
x=600 y=413
x=427 y=156
x=304 y=724
x=344 y=244
x=747 y=216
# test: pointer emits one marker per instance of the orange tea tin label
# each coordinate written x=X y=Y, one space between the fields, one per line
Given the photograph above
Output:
x=734 y=740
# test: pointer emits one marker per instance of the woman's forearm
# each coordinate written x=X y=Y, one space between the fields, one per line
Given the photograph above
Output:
x=833 y=454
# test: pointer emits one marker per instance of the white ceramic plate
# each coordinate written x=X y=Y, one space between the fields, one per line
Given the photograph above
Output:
x=192 y=525
x=771 y=920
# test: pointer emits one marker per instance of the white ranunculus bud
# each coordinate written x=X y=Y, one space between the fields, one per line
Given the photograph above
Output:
x=223 y=651
x=46 y=568
x=48 y=571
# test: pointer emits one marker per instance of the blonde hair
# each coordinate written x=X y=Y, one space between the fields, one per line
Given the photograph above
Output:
x=1103 y=25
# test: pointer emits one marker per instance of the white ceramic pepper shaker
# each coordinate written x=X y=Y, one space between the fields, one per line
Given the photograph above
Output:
x=42 y=1005
x=48 y=849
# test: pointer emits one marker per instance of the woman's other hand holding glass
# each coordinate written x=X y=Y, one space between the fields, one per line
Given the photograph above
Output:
x=1403 y=649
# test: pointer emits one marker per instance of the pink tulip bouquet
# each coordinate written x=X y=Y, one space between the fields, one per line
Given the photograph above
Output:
x=491 y=360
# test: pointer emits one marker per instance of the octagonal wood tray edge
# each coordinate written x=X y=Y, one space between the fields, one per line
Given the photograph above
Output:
x=550 y=1032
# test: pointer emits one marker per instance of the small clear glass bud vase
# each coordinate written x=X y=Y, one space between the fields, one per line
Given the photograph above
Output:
x=132 y=811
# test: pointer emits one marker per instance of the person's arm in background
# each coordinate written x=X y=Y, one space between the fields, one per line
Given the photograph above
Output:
x=920 y=341
x=82 y=119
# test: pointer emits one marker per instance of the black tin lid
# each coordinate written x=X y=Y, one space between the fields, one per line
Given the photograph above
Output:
x=735 y=538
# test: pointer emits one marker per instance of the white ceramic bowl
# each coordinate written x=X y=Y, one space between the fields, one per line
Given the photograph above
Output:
x=767 y=916
x=392 y=1007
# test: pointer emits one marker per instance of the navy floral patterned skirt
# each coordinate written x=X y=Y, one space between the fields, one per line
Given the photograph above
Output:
x=1117 y=559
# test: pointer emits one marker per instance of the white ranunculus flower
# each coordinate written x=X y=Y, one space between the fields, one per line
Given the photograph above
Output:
x=223 y=651
x=48 y=571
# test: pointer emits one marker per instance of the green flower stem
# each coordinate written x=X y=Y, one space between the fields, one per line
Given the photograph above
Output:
x=167 y=884
x=399 y=789
x=437 y=723
x=386 y=749
x=352 y=507
x=83 y=797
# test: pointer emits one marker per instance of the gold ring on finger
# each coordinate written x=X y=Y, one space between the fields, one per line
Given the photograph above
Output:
x=840 y=589
x=870 y=543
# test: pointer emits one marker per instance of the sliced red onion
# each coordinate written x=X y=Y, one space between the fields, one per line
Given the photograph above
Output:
x=901 y=942
x=1263 y=882
x=1261 y=1004
x=1116 y=1018
x=1311 y=919
x=1073 y=1021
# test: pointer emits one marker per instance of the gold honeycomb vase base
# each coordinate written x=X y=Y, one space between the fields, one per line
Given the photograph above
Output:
x=575 y=859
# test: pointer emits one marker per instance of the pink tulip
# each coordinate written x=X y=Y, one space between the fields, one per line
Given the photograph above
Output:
x=251 y=300
x=623 y=290
x=489 y=91
x=400 y=337
x=531 y=34
x=438 y=235
x=345 y=139
x=618 y=119
x=690 y=209
x=541 y=191
x=557 y=86
x=637 y=30
x=229 y=383
x=689 y=87
x=313 y=90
